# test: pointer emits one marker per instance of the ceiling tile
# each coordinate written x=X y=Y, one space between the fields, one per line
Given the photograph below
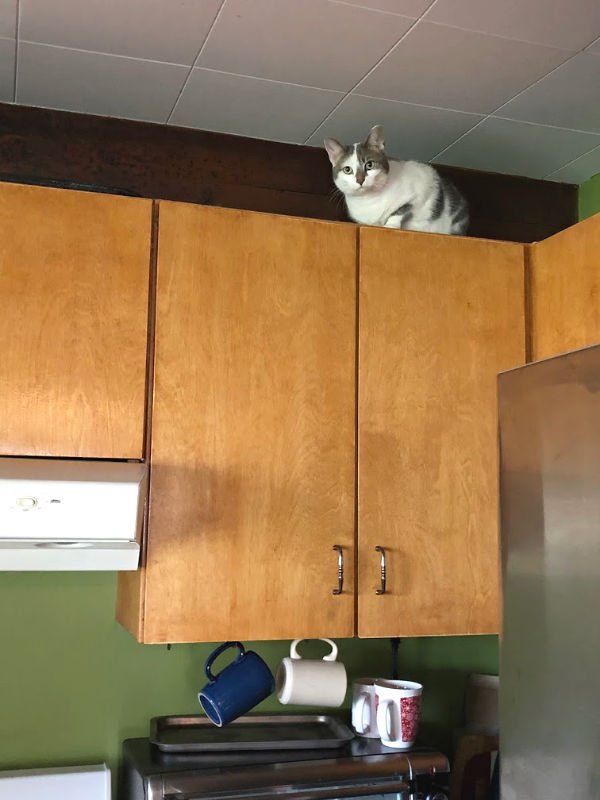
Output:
x=440 y=66
x=310 y=42
x=8 y=17
x=568 y=24
x=411 y=132
x=568 y=98
x=75 y=80
x=409 y=8
x=161 y=30
x=579 y=170
x=246 y=106
x=7 y=70
x=518 y=148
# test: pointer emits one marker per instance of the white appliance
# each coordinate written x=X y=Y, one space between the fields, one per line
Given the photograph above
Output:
x=71 y=514
x=66 y=783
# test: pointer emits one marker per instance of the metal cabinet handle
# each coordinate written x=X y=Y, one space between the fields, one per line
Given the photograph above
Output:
x=340 y=586
x=381 y=552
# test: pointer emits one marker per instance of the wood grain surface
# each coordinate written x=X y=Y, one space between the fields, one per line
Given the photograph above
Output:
x=439 y=318
x=74 y=271
x=564 y=290
x=253 y=428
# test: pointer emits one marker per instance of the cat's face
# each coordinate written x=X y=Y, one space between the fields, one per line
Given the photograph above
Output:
x=359 y=168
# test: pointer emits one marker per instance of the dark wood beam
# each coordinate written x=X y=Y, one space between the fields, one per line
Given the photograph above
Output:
x=165 y=162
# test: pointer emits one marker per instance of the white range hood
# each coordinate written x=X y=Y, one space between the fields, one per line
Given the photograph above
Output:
x=71 y=514
x=63 y=783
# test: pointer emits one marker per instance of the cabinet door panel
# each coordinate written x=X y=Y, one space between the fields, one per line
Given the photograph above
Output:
x=253 y=427
x=564 y=290
x=439 y=317
x=74 y=273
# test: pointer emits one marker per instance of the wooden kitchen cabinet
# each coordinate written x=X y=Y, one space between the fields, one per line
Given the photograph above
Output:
x=439 y=316
x=74 y=274
x=253 y=431
x=564 y=290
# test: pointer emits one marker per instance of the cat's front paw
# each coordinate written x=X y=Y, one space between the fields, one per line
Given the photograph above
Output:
x=394 y=222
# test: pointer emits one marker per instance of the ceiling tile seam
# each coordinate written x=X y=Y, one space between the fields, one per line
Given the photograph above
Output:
x=269 y=80
x=101 y=53
x=232 y=133
x=569 y=54
x=372 y=10
x=572 y=161
x=366 y=75
x=500 y=36
x=175 y=64
x=100 y=115
x=591 y=44
x=523 y=122
x=495 y=111
x=535 y=83
x=17 y=28
x=545 y=125
x=421 y=105
x=456 y=141
x=194 y=62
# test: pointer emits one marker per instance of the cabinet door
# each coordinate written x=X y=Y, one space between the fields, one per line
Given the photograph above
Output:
x=74 y=273
x=253 y=428
x=564 y=290
x=440 y=316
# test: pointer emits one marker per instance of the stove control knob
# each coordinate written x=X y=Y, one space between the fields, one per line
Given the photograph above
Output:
x=436 y=796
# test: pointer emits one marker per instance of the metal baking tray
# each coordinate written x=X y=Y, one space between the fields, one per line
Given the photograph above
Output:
x=196 y=734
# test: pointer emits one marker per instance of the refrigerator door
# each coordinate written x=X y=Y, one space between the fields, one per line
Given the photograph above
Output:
x=549 y=419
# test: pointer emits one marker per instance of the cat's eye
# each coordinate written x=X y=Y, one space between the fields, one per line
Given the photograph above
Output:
x=348 y=170
x=369 y=165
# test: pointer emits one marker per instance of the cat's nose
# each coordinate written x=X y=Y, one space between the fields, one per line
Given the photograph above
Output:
x=360 y=179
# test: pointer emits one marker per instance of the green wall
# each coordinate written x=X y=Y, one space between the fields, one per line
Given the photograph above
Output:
x=73 y=683
x=589 y=197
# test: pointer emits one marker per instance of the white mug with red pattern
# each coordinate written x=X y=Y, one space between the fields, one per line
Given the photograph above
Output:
x=398 y=712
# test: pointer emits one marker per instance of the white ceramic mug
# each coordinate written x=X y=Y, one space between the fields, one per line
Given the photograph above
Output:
x=364 y=708
x=398 y=712
x=311 y=682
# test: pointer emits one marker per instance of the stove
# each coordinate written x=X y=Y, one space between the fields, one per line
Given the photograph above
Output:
x=363 y=768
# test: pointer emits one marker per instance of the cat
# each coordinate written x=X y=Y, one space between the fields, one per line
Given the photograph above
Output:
x=395 y=194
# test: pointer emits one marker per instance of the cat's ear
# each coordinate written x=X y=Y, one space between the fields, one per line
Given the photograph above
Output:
x=375 y=139
x=335 y=150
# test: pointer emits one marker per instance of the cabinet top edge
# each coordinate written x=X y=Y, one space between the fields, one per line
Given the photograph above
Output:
x=360 y=229
x=369 y=229
x=233 y=211
x=111 y=193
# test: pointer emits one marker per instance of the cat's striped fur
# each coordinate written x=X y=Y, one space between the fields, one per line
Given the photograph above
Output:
x=395 y=194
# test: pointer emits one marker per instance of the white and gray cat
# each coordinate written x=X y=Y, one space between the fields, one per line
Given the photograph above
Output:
x=395 y=194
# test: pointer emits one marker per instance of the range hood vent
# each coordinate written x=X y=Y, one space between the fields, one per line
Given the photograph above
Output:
x=71 y=514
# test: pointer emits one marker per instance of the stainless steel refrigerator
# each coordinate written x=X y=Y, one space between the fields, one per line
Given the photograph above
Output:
x=549 y=426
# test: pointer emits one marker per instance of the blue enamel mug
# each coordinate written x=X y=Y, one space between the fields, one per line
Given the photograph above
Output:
x=239 y=687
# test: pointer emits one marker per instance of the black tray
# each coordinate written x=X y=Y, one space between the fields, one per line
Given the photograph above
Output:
x=195 y=734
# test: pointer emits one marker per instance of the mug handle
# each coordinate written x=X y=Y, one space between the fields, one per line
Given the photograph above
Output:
x=329 y=657
x=362 y=705
x=217 y=652
x=384 y=720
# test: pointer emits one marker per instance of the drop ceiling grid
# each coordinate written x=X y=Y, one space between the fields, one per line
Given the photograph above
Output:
x=490 y=84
